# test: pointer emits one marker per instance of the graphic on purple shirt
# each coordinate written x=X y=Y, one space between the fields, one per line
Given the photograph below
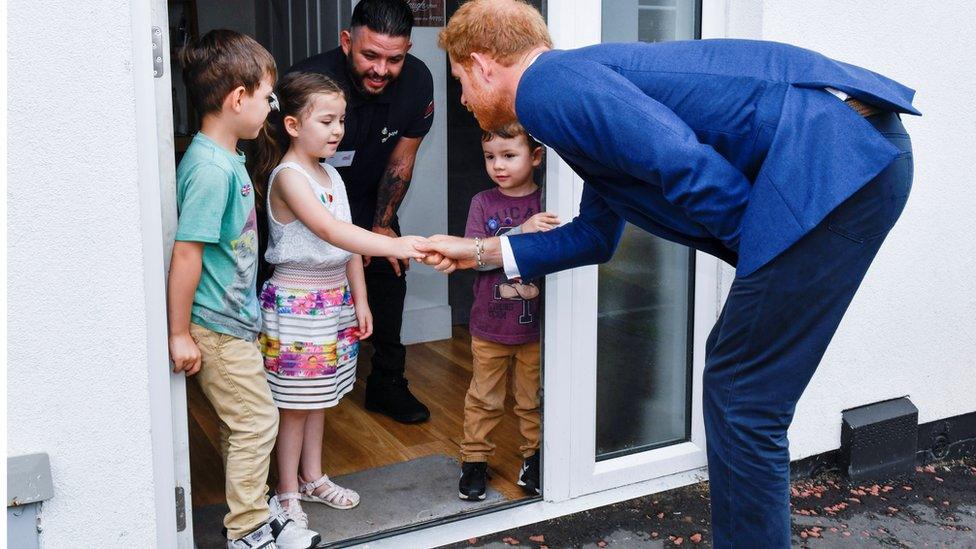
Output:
x=504 y=312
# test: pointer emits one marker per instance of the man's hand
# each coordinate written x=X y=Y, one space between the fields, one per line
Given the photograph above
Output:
x=540 y=222
x=397 y=264
x=458 y=253
x=440 y=263
x=184 y=353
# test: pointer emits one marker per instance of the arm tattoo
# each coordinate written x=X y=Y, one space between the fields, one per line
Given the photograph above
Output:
x=392 y=189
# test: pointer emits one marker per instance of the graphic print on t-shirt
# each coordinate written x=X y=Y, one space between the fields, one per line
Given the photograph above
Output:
x=505 y=290
x=245 y=248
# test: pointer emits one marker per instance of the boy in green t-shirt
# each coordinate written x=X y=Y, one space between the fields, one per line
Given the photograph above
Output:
x=214 y=316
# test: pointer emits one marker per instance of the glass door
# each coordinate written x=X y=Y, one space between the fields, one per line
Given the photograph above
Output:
x=635 y=338
x=645 y=296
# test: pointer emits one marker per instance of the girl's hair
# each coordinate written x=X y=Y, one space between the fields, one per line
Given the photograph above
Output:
x=294 y=92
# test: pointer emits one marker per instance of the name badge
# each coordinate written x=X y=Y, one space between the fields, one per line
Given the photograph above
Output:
x=341 y=159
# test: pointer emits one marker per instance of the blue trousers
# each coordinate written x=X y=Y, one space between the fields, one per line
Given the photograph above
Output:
x=767 y=343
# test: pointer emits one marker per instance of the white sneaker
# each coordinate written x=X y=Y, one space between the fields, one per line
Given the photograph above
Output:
x=291 y=505
x=289 y=534
x=262 y=538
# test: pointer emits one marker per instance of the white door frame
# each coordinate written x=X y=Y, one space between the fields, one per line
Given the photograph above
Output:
x=157 y=179
x=571 y=324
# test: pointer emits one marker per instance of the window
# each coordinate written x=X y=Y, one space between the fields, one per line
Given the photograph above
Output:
x=645 y=302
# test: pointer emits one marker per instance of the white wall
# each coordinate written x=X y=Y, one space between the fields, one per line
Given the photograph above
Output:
x=77 y=375
x=910 y=330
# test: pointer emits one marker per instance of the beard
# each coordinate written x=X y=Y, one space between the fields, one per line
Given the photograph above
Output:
x=493 y=109
x=359 y=79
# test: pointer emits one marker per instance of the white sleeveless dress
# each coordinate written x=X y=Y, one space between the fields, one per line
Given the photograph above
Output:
x=310 y=335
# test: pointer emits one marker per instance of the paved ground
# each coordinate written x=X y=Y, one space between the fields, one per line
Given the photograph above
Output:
x=936 y=507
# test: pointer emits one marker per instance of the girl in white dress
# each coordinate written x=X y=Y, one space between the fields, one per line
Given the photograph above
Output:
x=314 y=305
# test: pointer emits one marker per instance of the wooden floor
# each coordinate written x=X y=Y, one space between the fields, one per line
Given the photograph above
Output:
x=355 y=439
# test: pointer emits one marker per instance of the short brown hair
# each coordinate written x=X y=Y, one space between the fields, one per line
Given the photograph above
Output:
x=510 y=131
x=218 y=62
x=500 y=28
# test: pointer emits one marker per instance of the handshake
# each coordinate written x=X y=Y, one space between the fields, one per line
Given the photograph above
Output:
x=449 y=253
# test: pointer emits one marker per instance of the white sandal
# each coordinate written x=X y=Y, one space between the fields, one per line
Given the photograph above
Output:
x=293 y=509
x=335 y=496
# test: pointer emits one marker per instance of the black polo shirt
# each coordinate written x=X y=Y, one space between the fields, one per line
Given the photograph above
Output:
x=374 y=125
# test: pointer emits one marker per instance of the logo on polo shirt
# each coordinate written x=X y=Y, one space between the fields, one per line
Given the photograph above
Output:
x=388 y=134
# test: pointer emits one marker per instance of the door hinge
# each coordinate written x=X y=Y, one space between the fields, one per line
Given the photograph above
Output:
x=180 y=509
x=157 y=51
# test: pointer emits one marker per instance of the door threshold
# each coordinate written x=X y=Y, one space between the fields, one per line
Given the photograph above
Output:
x=431 y=523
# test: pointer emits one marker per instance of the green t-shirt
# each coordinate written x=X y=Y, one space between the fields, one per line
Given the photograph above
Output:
x=216 y=206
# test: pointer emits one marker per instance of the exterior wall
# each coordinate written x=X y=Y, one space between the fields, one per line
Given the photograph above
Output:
x=77 y=375
x=910 y=328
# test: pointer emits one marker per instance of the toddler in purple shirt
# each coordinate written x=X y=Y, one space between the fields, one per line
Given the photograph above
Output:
x=505 y=315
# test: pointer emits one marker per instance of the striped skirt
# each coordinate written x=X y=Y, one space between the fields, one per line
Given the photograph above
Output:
x=309 y=337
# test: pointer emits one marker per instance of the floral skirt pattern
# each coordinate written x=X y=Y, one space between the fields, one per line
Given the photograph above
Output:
x=310 y=343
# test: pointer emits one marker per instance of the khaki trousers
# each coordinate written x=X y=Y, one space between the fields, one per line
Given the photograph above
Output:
x=233 y=379
x=484 y=403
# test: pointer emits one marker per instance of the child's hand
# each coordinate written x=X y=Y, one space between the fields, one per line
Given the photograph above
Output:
x=185 y=354
x=540 y=222
x=365 y=318
x=440 y=263
x=406 y=247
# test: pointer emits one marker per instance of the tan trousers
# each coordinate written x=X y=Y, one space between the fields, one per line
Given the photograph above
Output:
x=484 y=404
x=233 y=379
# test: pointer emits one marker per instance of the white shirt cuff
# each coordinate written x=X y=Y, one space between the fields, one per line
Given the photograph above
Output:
x=508 y=258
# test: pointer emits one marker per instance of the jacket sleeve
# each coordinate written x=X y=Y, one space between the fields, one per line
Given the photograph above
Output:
x=589 y=238
x=603 y=116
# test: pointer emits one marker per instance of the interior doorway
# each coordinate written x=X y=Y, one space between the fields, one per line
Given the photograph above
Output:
x=406 y=475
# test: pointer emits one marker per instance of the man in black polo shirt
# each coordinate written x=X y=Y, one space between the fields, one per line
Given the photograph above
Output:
x=389 y=110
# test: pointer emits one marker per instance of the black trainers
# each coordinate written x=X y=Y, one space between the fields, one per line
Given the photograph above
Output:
x=394 y=399
x=474 y=481
x=529 y=475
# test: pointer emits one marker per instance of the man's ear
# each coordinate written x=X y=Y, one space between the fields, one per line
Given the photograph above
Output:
x=483 y=64
x=345 y=40
x=291 y=125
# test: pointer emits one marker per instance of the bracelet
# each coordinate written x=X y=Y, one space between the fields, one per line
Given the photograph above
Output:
x=479 y=248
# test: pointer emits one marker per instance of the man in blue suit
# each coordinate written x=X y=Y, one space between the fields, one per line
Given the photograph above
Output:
x=788 y=165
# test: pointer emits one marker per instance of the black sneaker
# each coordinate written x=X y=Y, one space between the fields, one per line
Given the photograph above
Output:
x=394 y=399
x=474 y=480
x=529 y=475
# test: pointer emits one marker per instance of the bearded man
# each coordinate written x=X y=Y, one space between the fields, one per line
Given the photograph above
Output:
x=788 y=165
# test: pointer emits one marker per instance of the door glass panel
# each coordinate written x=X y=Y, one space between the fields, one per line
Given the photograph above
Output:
x=644 y=327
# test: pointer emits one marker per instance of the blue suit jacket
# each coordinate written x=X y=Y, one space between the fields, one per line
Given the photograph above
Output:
x=732 y=147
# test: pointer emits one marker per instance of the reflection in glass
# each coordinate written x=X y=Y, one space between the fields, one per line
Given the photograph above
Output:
x=656 y=20
x=643 y=337
x=645 y=293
